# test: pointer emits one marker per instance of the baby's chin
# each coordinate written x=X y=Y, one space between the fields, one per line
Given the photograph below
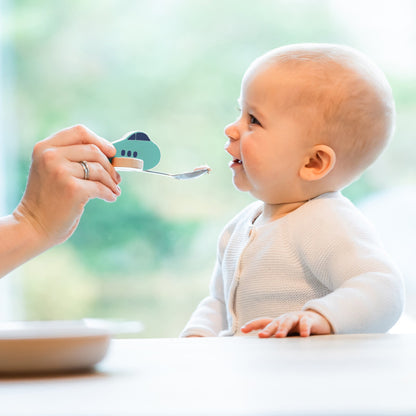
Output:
x=241 y=183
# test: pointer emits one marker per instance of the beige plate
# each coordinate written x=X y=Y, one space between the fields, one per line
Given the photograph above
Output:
x=51 y=346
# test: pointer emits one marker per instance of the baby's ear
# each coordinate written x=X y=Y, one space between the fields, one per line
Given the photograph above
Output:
x=318 y=163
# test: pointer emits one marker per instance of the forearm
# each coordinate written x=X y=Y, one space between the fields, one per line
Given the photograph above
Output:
x=346 y=256
x=19 y=242
x=364 y=304
x=56 y=193
x=207 y=320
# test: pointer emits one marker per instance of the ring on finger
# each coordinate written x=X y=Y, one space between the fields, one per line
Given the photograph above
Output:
x=84 y=165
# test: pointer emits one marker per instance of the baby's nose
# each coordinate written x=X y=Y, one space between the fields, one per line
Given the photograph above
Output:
x=231 y=131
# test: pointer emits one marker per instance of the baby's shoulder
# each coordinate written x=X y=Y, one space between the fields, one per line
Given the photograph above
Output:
x=330 y=216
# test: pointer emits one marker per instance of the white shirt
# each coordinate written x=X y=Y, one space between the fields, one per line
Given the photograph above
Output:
x=323 y=256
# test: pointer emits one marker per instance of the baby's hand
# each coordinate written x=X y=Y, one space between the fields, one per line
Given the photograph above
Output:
x=304 y=323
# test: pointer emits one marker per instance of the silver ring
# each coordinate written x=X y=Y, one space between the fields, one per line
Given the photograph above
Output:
x=84 y=165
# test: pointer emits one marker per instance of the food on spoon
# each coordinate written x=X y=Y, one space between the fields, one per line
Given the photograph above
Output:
x=203 y=167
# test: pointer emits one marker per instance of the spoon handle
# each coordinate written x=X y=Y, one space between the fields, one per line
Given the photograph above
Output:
x=157 y=173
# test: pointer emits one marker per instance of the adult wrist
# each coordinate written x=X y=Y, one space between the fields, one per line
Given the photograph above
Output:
x=30 y=231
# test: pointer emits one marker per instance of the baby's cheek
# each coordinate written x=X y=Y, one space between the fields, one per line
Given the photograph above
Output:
x=252 y=155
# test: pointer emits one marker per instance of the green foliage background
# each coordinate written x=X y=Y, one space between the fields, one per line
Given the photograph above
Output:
x=171 y=69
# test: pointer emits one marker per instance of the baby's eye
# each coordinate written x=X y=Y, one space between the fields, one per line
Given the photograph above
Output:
x=253 y=120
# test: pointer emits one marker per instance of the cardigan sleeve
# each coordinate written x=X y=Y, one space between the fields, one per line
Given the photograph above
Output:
x=342 y=251
x=210 y=316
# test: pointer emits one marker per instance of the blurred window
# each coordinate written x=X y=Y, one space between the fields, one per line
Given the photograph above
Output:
x=175 y=76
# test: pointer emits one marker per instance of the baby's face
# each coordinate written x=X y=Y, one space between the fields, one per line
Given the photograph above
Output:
x=266 y=142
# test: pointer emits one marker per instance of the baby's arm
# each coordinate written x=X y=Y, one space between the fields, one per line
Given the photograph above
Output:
x=209 y=318
x=366 y=287
x=304 y=323
x=342 y=251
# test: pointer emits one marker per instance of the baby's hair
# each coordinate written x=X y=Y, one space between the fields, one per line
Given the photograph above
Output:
x=345 y=100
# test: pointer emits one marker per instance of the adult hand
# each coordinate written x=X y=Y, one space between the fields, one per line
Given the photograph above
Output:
x=304 y=323
x=57 y=192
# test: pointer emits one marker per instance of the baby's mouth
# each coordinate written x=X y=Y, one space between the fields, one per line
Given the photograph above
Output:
x=235 y=162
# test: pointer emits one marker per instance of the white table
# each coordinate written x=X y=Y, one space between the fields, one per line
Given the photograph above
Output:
x=320 y=375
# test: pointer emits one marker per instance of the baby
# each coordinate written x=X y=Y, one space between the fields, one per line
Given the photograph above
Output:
x=302 y=259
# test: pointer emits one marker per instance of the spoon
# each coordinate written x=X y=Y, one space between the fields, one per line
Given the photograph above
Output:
x=185 y=175
x=136 y=165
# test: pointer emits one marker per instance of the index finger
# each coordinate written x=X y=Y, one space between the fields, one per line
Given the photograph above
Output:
x=255 y=324
x=79 y=134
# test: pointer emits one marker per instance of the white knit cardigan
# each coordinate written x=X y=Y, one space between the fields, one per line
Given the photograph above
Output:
x=324 y=256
